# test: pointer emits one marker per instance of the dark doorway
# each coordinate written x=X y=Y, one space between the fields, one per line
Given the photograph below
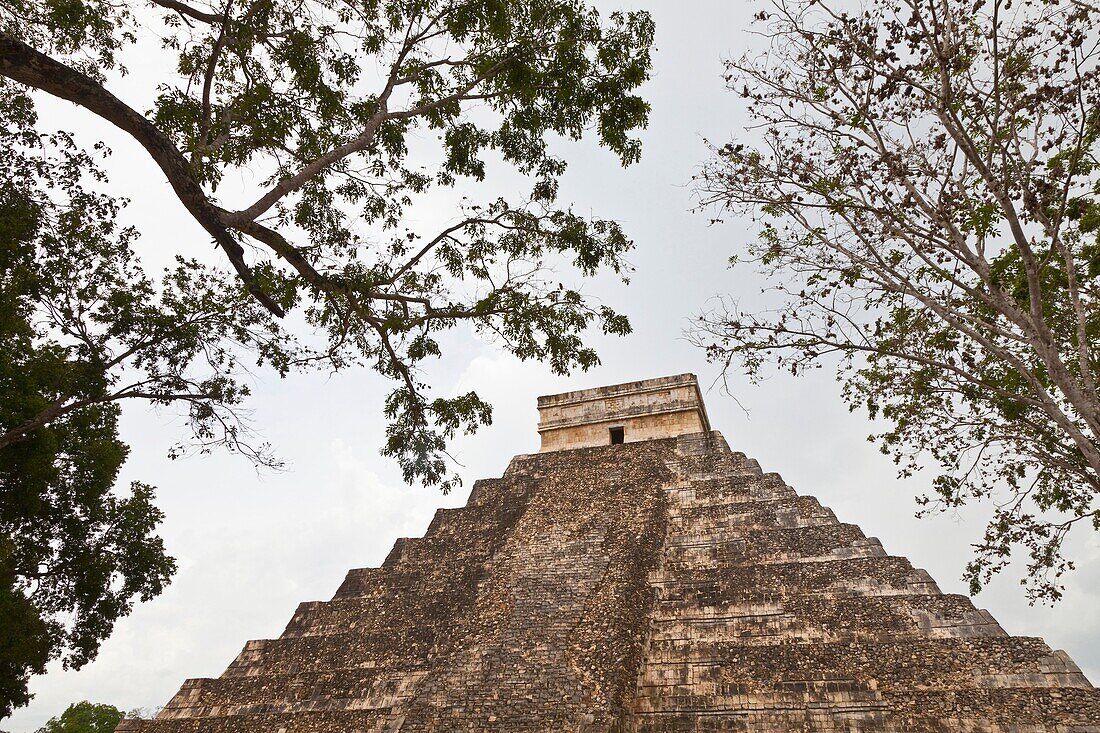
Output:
x=618 y=436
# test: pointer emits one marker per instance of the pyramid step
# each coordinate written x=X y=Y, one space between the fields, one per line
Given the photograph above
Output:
x=330 y=718
x=1006 y=710
x=384 y=610
x=890 y=664
x=831 y=697
x=757 y=547
x=1065 y=710
x=361 y=689
x=425 y=555
x=785 y=513
x=878 y=575
x=408 y=645
x=694 y=444
x=690 y=493
x=457 y=541
x=716 y=464
x=716 y=495
x=499 y=494
x=398 y=580
x=823 y=619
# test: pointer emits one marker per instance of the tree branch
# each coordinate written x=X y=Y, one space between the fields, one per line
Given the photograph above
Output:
x=25 y=65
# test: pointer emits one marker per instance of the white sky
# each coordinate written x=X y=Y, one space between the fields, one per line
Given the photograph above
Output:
x=252 y=546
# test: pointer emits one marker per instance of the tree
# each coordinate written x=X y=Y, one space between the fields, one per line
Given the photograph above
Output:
x=327 y=99
x=74 y=550
x=925 y=189
x=84 y=717
x=24 y=638
x=353 y=116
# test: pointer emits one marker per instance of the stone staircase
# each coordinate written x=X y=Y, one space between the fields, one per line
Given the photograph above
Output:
x=524 y=610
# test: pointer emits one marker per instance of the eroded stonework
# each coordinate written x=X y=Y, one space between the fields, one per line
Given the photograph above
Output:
x=657 y=587
x=647 y=410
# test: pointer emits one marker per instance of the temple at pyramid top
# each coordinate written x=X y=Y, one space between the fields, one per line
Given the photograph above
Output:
x=622 y=413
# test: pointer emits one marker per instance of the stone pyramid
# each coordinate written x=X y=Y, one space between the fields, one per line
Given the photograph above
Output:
x=663 y=584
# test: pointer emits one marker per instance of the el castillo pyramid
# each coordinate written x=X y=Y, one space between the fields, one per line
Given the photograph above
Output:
x=638 y=575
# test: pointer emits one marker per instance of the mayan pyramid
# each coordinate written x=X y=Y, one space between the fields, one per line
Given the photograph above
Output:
x=637 y=575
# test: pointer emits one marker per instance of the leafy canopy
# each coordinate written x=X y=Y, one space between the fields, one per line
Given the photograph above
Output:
x=84 y=717
x=75 y=551
x=925 y=188
x=333 y=107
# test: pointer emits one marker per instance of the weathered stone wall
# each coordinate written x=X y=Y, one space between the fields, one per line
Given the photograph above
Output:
x=773 y=616
x=659 y=587
x=635 y=429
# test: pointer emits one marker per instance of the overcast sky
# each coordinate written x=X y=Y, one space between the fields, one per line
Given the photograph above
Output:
x=251 y=546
